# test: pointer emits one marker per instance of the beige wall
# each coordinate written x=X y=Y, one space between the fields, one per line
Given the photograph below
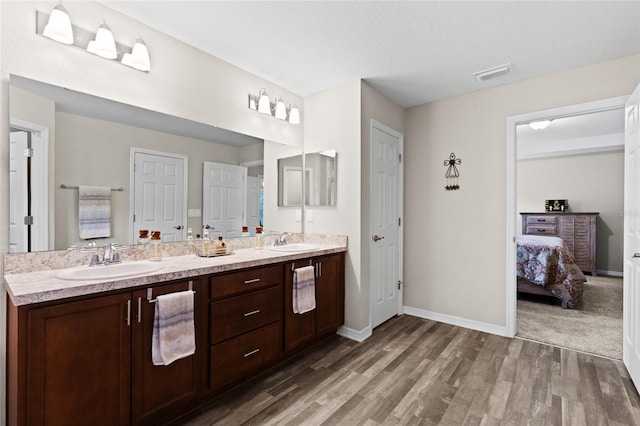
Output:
x=592 y=183
x=455 y=241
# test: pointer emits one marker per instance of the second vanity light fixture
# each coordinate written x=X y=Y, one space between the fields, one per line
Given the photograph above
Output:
x=59 y=28
x=277 y=109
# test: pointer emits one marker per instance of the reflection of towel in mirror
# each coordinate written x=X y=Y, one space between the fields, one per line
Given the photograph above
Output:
x=173 y=328
x=304 y=290
x=94 y=212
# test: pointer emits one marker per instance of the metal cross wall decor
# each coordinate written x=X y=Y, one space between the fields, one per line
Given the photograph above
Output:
x=452 y=174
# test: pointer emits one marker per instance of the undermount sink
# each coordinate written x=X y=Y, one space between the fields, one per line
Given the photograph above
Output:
x=103 y=272
x=293 y=248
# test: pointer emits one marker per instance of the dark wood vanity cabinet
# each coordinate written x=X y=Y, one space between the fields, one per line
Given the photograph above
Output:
x=89 y=362
x=301 y=330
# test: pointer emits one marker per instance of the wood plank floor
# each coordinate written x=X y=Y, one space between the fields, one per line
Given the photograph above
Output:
x=419 y=372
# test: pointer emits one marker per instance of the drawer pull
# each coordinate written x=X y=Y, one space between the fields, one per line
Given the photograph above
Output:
x=542 y=230
x=542 y=220
x=248 y=314
x=255 y=280
x=255 y=351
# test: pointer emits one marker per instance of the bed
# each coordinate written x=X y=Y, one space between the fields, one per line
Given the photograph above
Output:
x=546 y=266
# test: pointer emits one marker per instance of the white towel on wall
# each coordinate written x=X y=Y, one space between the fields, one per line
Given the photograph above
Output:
x=304 y=290
x=173 y=328
x=94 y=212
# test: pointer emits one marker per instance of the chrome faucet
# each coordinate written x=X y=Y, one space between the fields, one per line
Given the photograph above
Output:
x=110 y=255
x=282 y=239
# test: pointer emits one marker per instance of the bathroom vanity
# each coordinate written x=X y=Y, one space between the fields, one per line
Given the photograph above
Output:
x=80 y=351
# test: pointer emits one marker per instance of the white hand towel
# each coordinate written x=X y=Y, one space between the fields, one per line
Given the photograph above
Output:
x=94 y=212
x=173 y=328
x=304 y=290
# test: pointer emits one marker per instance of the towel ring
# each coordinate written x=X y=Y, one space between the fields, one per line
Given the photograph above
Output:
x=150 y=298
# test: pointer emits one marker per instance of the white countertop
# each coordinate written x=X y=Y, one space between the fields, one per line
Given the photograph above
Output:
x=43 y=286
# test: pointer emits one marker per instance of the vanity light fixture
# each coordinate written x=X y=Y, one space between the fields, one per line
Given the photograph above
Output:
x=139 y=56
x=539 y=125
x=278 y=109
x=104 y=45
x=59 y=26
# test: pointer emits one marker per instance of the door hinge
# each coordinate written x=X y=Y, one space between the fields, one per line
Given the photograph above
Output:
x=28 y=220
x=134 y=217
x=399 y=221
x=399 y=284
x=134 y=167
x=399 y=158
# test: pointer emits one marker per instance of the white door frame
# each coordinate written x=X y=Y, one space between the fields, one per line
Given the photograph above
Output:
x=511 y=217
x=42 y=240
x=375 y=124
x=132 y=155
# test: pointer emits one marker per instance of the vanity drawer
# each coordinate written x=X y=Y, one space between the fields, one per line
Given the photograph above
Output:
x=234 y=358
x=239 y=314
x=243 y=281
x=542 y=229
x=541 y=220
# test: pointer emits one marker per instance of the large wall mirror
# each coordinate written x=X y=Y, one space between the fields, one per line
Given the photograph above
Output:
x=163 y=171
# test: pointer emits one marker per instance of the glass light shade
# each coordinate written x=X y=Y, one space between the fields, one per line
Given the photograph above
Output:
x=294 y=115
x=104 y=45
x=264 y=103
x=281 y=109
x=539 y=125
x=139 y=56
x=59 y=26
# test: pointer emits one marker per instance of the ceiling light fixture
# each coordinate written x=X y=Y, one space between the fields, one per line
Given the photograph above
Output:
x=539 y=125
x=278 y=109
x=494 y=72
x=104 y=45
x=59 y=26
x=139 y=56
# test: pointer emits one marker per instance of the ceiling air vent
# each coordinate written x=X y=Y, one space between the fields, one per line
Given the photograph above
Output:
x=493 y=72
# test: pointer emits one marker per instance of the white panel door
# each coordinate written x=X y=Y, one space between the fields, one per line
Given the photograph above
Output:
x=159 y=195
x=631 y=296
x=254 y=190
x=17 y=192
x=223 y=195
x=386 y=186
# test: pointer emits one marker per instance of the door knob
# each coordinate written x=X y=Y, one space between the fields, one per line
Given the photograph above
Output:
x=209 y=227
x=179 y=227
x=636 y=254
x=375 y=238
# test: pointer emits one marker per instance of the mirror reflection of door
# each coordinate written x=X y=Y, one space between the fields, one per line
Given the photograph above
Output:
x=18 y=191
x=292 y=186
x=159 y=194
x=223 y=195
x=254 y=202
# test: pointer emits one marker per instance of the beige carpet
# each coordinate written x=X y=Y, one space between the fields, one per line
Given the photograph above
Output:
x=593 y=326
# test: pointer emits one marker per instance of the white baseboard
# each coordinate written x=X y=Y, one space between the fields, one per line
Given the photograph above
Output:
x=610 y=273
x=357 y=335
x=458 y=321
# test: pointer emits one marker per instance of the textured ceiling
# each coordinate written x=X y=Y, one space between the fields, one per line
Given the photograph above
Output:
x=414 y=52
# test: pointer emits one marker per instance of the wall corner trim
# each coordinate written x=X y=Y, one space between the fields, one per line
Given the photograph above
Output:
x=457 y=321
x=357 y=335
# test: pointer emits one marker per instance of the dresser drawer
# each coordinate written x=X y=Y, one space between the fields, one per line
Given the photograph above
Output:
x=542 y=230
x=234 y=358
x=542 y=220
x=245 y=280
x=236 y=315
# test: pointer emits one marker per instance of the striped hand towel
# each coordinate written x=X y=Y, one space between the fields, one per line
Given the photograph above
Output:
x=304 y=290
x=173 y=328
x=94 y=212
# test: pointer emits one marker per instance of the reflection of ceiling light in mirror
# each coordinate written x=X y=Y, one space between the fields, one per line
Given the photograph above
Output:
x=104 y=45
x=539 y=125
x=139 y=56
x=59 y=26
x=281 y=109
x=264 y=103
x=252 y=103
x=294 y=115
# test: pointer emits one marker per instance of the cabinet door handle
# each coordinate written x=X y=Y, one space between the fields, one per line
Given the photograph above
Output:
x=255 y=280
x=255 y=351
x=542 y=220
x=129 y=312
x=248 y=314
x=320 y=269
x=139 y=310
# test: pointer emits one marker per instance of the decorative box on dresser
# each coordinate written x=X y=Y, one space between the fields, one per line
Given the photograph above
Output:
x=578 y=230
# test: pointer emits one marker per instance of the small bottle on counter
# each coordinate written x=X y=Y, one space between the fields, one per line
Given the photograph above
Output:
x=143 y=236
x=220 y=248
x=245 y=231
x=155 y=248
x=258 y=239
x=206 y=243
x=189 y=234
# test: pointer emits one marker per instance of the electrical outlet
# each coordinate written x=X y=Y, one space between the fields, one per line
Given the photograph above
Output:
x=298 y=215
x=309 y=215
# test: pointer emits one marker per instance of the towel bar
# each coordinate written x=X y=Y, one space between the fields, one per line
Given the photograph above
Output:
x=64 y=186
x=293 y=265
x=150 y=298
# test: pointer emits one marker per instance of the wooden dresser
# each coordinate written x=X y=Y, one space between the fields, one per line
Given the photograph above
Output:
x=578 y=230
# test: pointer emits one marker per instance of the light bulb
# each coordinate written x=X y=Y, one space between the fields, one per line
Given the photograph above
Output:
x=104 y=45
x=139 y=56
x=281 y=109
x=264 y=103
x=294 y=115
x=59 y=26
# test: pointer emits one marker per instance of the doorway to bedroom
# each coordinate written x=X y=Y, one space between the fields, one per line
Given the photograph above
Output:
x=569 y=227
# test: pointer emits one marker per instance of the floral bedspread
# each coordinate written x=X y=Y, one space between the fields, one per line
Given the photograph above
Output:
x=547 y=261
